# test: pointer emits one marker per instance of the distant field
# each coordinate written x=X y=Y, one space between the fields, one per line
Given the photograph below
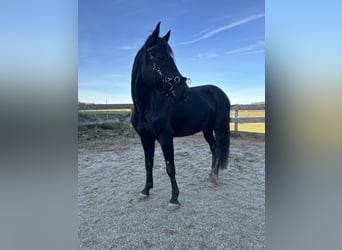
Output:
x=249 y=127
x=245 y=127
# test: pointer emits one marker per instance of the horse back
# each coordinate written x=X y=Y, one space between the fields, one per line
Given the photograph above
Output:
x=204 y=99
x=204 y=106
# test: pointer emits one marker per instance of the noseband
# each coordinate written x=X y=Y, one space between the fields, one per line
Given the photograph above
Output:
x=169 y=80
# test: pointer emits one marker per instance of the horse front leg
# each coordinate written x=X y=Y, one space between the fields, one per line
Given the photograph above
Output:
x=166 y=144
x=148 y=143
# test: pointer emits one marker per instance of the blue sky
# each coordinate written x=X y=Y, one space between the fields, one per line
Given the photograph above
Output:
x=214 y=42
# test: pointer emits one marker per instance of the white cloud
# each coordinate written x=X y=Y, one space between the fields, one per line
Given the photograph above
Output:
x=131 y=46
x=125 y=47
x=254 y=48
x=118 y=75
x=207 y=55
x=211 y=33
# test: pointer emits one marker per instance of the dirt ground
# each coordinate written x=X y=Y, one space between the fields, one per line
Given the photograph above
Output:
x=111 y=175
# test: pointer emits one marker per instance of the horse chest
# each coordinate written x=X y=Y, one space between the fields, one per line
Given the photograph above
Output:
x=156 y=124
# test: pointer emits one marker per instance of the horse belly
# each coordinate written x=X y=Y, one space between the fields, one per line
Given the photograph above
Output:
x=190 y=123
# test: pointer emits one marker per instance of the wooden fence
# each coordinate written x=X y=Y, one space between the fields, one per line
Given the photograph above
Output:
x=236 y=119
x=235 y=108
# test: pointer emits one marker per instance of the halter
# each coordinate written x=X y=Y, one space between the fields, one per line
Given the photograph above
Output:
x=169 y=80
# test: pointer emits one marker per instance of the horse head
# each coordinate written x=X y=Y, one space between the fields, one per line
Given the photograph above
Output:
x=159 y=69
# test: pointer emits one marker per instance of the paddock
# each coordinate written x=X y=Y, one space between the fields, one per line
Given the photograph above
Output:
x=111 y=174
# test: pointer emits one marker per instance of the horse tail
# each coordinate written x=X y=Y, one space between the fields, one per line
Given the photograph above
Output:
x=222 y=130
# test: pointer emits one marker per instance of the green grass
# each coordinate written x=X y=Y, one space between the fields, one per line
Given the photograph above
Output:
x=250 y=127
x=103 y=114
x=249 y=113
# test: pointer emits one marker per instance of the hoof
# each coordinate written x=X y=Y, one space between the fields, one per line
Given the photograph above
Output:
x=173 y=206
x=142 y=196
x=212 y=184
x=212 y=180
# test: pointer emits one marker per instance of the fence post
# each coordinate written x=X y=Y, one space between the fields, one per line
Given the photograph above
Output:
x=236 y=120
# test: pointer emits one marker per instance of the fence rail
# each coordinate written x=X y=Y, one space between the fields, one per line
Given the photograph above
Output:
x=236 y=108
x=236 y=119
x=92 y=106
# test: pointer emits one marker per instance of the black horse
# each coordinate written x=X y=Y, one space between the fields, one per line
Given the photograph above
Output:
x=164 y=108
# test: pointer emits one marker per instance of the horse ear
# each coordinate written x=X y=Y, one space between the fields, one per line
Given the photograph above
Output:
x=167 y=36
x=154 y=36
x=155 y=33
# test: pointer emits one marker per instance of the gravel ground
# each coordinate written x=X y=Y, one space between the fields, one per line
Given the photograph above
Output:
x=111 y=175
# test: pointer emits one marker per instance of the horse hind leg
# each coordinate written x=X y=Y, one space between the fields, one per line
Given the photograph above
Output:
x=222 y=137
x=212 y=179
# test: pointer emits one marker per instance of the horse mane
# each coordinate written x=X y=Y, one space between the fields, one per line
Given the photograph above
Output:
x=138 y=91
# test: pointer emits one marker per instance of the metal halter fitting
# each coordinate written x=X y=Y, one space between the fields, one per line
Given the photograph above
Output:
x=169 y=80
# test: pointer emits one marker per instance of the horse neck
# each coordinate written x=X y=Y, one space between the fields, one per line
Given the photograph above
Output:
x=145 y=97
